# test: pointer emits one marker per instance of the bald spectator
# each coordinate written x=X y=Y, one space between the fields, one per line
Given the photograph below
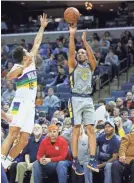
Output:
x=129 y=103
x=52 y=157
x=9 y=94
x=126 y=159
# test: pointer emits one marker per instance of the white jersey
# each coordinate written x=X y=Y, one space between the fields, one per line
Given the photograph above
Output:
x=26 y=84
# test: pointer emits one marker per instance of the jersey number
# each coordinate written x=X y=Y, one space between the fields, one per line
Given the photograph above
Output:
x=31 y=85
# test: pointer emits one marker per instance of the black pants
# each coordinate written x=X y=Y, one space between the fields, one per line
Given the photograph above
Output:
x=12 y=173
x=77 y=178
x=119 y=169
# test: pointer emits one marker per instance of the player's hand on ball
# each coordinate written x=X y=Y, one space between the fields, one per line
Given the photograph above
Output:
x=72 y=29
x=43 y=20
x=84 y=36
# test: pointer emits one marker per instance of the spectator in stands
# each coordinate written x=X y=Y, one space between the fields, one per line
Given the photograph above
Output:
x=108 y=36
x=83 y=157
x=51 y=102
x=96 y=46
x=126 y=160
x=6 y=106
x=105 y=45
x=4 y=27
x=133 y=92
x=67 y=123
x=129 y=47
x=42 y=119
x=4 y=47
x=125 y=36
x=119 y=51
x=95 y=36
x=52 y=157
x=59 y=124
x=30 y=21
x=51 y=65
x=129 y=103
x=108 y=144
x=40 y=66
x=123 y=9
x=9 y=94
x=119 y=103
x=60 y=48
x=116 y=112
x=63 y=26
x=119 y=125
x=39 y=99
x=60 y=79
x=132 y=115
x=127 y=124
x=131 y=18
x=30 y=153
x=23 y=44
x=9 y=65
x=44 y=129
x=112 y=59
x=4 y=61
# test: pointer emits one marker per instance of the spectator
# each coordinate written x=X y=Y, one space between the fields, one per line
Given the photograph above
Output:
x=4 y=47
x=4 y=27
x=44 y=129
x=67 y=123
x=23 y=44
x=119 y=103
x=129 y=48
x=60 y=79
x=63 y=26
x=95 y=36
x=30 y=153
x=129 y=103
x=127 y=124
x=119 y=125
x=116 y=112
x=96 y=46
x=105 y=45
x=126 y=159
x=42 y=119
x=6 y=106
x=9 y=94
x=83 y=157
x=108 y=144
x=60 y=48
x=132 y=115
x=112 y=59
x=108 y=36
x=51 y=102
x=122 y=9
x=119 y=51
x=59 y=124
x=52 y=157
x=39 y=99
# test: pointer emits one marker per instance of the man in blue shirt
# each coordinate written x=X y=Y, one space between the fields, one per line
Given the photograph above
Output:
x=30 y=153
x=108 y=144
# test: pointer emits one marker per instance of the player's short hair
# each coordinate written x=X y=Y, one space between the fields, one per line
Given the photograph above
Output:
x=18 y=54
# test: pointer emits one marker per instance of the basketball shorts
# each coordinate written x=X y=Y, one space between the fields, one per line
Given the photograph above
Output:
x=81 y=110
x=23 y=113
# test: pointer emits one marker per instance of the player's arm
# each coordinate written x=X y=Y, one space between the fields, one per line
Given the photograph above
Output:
x=38 y=39
x=71 y=57
x=91 y=57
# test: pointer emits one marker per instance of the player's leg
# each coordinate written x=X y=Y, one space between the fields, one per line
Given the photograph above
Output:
x=76 y=117
x=89 y=121
x=15 y=150
x=6 y=145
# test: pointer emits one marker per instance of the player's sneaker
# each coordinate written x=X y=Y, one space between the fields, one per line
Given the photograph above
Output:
x=77 y=167
x=92 y=164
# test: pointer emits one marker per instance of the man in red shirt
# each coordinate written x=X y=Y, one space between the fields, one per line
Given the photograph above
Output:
x=53 y=157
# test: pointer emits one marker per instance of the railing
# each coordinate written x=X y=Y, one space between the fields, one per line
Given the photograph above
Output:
x=123 y=67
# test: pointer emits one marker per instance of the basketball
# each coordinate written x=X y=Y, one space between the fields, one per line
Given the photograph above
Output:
x=71 y=15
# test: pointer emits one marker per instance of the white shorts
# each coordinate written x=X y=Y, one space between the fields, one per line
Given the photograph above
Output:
x=23 y=113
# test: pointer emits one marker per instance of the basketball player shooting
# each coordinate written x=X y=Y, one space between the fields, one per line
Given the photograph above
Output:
x=23 y=105
x=81 y=106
